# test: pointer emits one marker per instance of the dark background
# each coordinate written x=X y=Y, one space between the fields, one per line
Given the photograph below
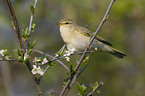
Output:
x=124 y=29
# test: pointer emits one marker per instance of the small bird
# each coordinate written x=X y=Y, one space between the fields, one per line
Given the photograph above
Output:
x=77 y=37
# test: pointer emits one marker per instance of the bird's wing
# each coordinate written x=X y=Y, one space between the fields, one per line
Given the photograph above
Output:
x=103 y=40
x=88 y=33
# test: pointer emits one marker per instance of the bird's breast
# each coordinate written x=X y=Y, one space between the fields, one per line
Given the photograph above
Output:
x=65 y=34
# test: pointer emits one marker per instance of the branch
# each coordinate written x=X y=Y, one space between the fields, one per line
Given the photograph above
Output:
x=17 y=29
x=37 y=86
x=13 y=60
x=30 y=24
x=36 y=81
x=77 y=75
x=51 y=57
x=53 y=60
x=91 y=93
x=32 y=15
x=57 y=58
x=67 y=86
x=15 y=22
x=97 y=31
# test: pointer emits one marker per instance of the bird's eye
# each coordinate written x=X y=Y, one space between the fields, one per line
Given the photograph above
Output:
x=66 y=23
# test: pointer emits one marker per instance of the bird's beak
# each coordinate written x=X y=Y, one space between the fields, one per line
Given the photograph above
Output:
x=58 y=24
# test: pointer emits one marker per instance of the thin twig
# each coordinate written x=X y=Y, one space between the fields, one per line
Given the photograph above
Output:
x=67 y=86
x=37 y=86
x=15 y=22
x=32 y=15
x=13 y=60
x=78 y=53
x=30 y=24
x=77 y=75
x=51 y=61
x=46 y=54
x=99 y=85
x=44 y=73
x=57 y=58
x=54 y=58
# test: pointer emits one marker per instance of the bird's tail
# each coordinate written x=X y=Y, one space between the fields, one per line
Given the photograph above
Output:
x=117 y=53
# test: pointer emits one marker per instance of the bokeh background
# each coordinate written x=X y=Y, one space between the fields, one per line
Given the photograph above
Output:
x=124 y=29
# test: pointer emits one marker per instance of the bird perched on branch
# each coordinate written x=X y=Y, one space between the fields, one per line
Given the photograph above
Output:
x=77 y=37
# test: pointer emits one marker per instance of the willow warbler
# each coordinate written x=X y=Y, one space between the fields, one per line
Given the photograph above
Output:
x=77 y=37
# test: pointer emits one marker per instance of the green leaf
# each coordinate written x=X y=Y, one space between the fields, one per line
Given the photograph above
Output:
x=12 y=24
x=80 y=94
x=33 y=44
x=26 y=31
x=71 y=68
x=86 y=59
x=52 y=64
x=47 y=58
x=26 y=34
x=62 y=52
x=68 y=73
x=26 y=60
x=82 y=89
x=23 y=34
x=19 y=52
x=5 y=52
x=29 y=51
x=107 y=17
x=6 y=57
x=32 y=8
x=98 y=92
x=95 y=85
x=40 y=59
x=64 y=82
x=20 y=58
x=33 y=27
x=91 y=35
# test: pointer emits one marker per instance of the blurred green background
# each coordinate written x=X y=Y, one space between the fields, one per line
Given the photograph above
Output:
x=124 y=29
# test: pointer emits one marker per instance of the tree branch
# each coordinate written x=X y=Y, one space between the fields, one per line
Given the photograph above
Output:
x=67 y=86
x=15 y=22
x=99 y=85
x=53 y=60
x=46 y=54
x=30 y=24
x=12 y=60
x=77 y=75
x=32 y=15
x=17 y=29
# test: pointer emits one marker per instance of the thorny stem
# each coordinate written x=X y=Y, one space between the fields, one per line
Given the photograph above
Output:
x=67 y=86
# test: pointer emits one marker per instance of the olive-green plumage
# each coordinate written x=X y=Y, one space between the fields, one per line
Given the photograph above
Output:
x=77 y=37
